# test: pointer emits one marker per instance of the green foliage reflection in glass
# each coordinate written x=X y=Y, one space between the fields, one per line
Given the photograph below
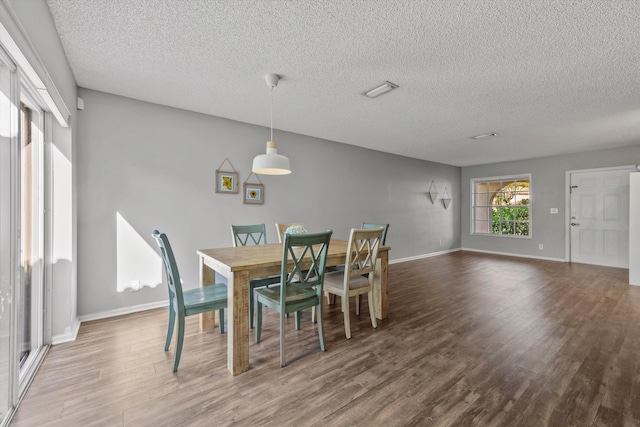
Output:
x=510 y=209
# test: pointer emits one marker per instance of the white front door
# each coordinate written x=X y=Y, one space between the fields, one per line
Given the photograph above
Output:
x=600 y=217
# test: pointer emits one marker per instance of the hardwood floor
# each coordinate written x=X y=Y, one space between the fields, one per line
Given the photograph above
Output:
x=472 y=339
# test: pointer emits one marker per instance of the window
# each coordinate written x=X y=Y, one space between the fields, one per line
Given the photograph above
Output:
x=501 y=206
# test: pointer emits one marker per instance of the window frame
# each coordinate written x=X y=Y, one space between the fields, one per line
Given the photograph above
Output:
x=514 y=177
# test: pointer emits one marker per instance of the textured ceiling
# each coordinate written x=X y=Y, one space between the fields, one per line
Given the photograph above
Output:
x=549 y=76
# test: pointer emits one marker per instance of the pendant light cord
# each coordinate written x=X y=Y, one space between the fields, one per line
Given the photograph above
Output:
x=271 y=113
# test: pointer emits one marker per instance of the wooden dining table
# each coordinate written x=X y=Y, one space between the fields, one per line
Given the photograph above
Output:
x=243 y=263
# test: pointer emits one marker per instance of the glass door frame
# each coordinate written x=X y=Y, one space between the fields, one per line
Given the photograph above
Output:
x=28 y=368
x=11 y=216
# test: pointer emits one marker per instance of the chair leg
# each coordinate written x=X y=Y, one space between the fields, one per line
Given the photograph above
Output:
x=347 y=321
x=251 y=305
x=314 y=317
x=298 y=319
x=221 y=314
x=318 y=310
x=172 y=321
x=282 y=324
x=259 y=321
x=374 y=322
x=357 y=305
x=179 y=343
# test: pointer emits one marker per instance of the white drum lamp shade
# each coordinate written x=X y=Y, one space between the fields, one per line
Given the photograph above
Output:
x=271 y=163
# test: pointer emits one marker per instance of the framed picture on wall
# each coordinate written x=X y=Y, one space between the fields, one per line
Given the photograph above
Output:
x=253 y=194
x=226 y=182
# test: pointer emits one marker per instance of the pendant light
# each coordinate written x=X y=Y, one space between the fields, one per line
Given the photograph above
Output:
x=271 y=163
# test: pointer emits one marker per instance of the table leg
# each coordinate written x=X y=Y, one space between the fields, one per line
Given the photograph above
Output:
x=209 y=320
x=381 y=285
x=238 y=309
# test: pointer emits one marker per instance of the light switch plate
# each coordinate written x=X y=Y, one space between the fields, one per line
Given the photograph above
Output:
x=554 y=210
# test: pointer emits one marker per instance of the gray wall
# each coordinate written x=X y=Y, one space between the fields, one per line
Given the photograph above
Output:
x=156 y=166
x=548 y=191
x=133 y=155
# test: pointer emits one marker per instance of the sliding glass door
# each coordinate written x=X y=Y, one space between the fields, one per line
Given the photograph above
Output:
x=22 y=290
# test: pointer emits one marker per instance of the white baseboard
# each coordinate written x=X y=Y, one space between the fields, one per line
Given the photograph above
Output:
x=429 y=255
x=514 y=255
x=432 y=254
x=72 y=332
x=69 y=334
x=124 y=310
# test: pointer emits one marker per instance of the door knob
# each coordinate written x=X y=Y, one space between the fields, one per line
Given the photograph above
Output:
x=573 y=224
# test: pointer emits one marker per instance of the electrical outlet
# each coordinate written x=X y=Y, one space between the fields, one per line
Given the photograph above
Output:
x=440 y=242
x=540 y=246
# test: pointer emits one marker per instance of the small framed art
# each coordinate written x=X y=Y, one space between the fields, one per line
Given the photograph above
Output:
x=226 y=182
x=253 y=194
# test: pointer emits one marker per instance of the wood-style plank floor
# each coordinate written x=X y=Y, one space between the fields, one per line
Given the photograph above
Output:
x=472 y=339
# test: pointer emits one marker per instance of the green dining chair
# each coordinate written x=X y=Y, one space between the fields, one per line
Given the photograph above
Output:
x=385 y=228
x=244 y=235
x=189 y=302
x=304 y=257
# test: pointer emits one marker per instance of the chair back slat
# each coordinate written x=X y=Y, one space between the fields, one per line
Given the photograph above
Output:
x=176 y=298
x=362 y=252
x=304 y=258
x=249 y=234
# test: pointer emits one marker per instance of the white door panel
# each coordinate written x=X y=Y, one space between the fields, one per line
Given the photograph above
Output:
x=600 y=217
x=587 y=241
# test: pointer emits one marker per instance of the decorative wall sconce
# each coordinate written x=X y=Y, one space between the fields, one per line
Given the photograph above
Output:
x=433 y=192
x=433 y=195
x=446 y=200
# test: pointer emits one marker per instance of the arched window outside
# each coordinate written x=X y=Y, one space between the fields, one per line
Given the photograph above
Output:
x=501 y=206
